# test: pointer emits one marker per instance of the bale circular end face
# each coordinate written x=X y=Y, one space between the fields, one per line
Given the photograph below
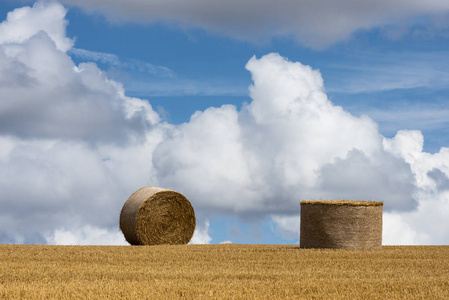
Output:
x=341 y=224
x=157 y=216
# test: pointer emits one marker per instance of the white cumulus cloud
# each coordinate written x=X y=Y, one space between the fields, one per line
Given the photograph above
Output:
x=73 y=146
x=23 y=23
x=289 y=143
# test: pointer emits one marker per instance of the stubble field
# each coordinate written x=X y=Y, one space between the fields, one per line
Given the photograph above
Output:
x=225 y=271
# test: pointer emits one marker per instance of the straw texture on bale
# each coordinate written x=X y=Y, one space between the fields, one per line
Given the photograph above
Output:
x=341 y=224
x=157 y=216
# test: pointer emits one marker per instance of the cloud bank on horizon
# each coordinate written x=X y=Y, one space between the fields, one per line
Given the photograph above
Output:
x=314 y=23
x=74 y=147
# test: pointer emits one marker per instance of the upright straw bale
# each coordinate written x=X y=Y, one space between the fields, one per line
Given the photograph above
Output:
x=341 y=224
x=156 y=216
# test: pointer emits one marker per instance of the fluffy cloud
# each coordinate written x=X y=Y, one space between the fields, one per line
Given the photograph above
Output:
x=289 y=143
x=23 y=23
x=45 y=95
x=316 y=23
x=74 y=147
x=60 y=100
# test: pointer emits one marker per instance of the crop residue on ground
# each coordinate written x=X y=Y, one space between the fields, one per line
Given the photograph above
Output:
x=222 y=271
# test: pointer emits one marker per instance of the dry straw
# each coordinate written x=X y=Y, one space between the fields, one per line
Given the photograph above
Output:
x=341 y=224
x=156 y=216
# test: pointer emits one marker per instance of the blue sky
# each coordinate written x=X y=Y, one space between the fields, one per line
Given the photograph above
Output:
x=390 y=64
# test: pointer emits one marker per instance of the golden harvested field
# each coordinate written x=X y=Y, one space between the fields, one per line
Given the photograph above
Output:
x=222 y=271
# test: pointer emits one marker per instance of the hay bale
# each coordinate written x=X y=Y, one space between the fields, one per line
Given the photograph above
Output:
x=156 y=216
x=341 y=224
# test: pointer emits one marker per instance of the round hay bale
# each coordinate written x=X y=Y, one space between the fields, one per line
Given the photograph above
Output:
x=341 y=224
x=156 y=216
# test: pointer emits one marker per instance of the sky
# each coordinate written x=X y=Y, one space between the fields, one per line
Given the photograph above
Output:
x=245 y=107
